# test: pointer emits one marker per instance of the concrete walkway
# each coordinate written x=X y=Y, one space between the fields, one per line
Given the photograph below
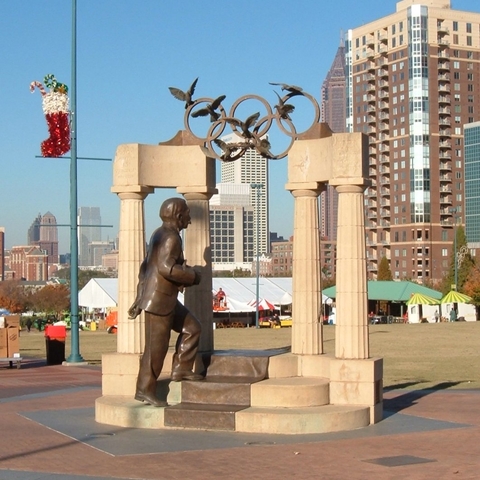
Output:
x=48 y=431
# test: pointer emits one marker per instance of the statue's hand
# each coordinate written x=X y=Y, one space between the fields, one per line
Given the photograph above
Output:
x=198 y=278
x=134 y=311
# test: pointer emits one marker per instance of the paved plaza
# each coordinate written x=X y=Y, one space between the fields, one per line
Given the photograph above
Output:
x=48 y=431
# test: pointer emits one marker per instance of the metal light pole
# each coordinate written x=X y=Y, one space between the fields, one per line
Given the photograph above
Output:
x=454 y=212
x=75 y=356
x=257 y=187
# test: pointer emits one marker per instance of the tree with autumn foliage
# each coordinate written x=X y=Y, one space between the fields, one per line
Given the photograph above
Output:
x=51 y=300
x=384 y=272
x=13 y=296
x=464 y=263
x=472 y=286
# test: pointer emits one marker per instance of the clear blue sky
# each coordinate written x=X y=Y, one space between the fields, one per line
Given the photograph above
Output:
x=128 y=54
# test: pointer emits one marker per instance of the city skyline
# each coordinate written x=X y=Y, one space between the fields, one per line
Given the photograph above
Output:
x=128 y=54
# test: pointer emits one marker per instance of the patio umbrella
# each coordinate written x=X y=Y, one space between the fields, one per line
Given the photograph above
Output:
x=422 y=299
x=455 y=297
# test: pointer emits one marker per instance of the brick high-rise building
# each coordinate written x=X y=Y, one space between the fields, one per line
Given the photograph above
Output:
x=413 y=81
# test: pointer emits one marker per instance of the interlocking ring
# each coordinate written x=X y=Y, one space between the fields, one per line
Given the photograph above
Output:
x=251 y=132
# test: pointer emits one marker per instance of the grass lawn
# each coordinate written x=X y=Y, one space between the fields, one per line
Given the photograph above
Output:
x=442 y=355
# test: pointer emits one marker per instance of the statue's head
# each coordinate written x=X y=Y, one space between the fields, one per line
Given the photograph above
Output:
x=175 y=211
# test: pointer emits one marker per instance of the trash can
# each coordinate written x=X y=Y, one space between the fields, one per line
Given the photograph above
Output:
x=55 y=336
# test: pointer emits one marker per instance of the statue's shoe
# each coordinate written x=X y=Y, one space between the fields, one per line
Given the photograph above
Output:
x=186 y=375
x=150 y=399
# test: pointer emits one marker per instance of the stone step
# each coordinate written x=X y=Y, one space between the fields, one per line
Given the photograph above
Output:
x=218 y=390
x=124 y=411
x=327 y=418
x=244 y=363
x=198 y=416
x=291 y=392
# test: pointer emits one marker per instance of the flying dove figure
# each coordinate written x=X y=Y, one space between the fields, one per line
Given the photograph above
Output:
x=184 y=96
x=210 y=109
x=246 y=125
x=283 y=108
x=292 y=89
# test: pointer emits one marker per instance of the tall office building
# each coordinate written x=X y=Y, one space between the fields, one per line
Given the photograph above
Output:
x=252 y=168
x=332 y=112
x=88 y=216
x=231 y=227
x=412 y=83
x=43 y=233
x=472 y=185
x=33 y=234
x=49 y=237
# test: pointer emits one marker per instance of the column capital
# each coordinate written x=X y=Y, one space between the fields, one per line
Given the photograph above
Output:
x=190 y=196
x=350 y=188
x=350 y=181
x=138 y=192
x=307 y=189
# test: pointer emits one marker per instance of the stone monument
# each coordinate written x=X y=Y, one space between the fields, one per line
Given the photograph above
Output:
x=301 y=391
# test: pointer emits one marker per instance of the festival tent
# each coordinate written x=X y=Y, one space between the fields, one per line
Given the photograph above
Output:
x=286 y=299
x=103 y=292
x=262 y=304
x=462 y=305
x=456 y=297
x=99 y=293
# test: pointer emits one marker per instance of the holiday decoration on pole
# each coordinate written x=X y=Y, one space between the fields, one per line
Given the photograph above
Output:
x=55 y=107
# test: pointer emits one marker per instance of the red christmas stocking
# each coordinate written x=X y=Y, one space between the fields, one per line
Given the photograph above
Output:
x=55 y=108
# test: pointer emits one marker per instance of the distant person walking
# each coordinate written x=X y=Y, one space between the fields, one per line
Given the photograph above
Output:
x=453 y=315
x=437 y=317
x=28 y=324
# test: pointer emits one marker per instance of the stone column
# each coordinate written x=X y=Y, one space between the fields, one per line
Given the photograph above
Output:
x=307 y=334
x=198 y=299
x=131 y=335
x=351 y=332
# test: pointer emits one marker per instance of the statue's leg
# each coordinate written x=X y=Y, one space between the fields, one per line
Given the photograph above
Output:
x=157 y=337
x=188 y=328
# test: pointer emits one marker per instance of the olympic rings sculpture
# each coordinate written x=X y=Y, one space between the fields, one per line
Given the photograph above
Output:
x=252 y=132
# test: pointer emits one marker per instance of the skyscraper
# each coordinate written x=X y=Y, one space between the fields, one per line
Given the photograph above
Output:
x=88 y=216
x=231 y=227
x=472 y=184
x=412 y=83
x=33 y=234
x=252 y=168
x=333 y=112
x=44 y=234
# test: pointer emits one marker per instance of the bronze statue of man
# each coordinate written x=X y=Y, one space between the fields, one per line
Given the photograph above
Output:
x=163 y=274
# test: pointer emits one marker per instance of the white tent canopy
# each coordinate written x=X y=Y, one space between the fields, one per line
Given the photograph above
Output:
x=103 y=292
x=99 y=293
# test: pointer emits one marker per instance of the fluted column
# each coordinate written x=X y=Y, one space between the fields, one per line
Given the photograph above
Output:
x=307 y=334
x=351 y=332
x=131 y=336
x=198 y=299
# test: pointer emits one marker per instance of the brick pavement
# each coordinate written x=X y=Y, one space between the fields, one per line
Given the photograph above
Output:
x=425 y=435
